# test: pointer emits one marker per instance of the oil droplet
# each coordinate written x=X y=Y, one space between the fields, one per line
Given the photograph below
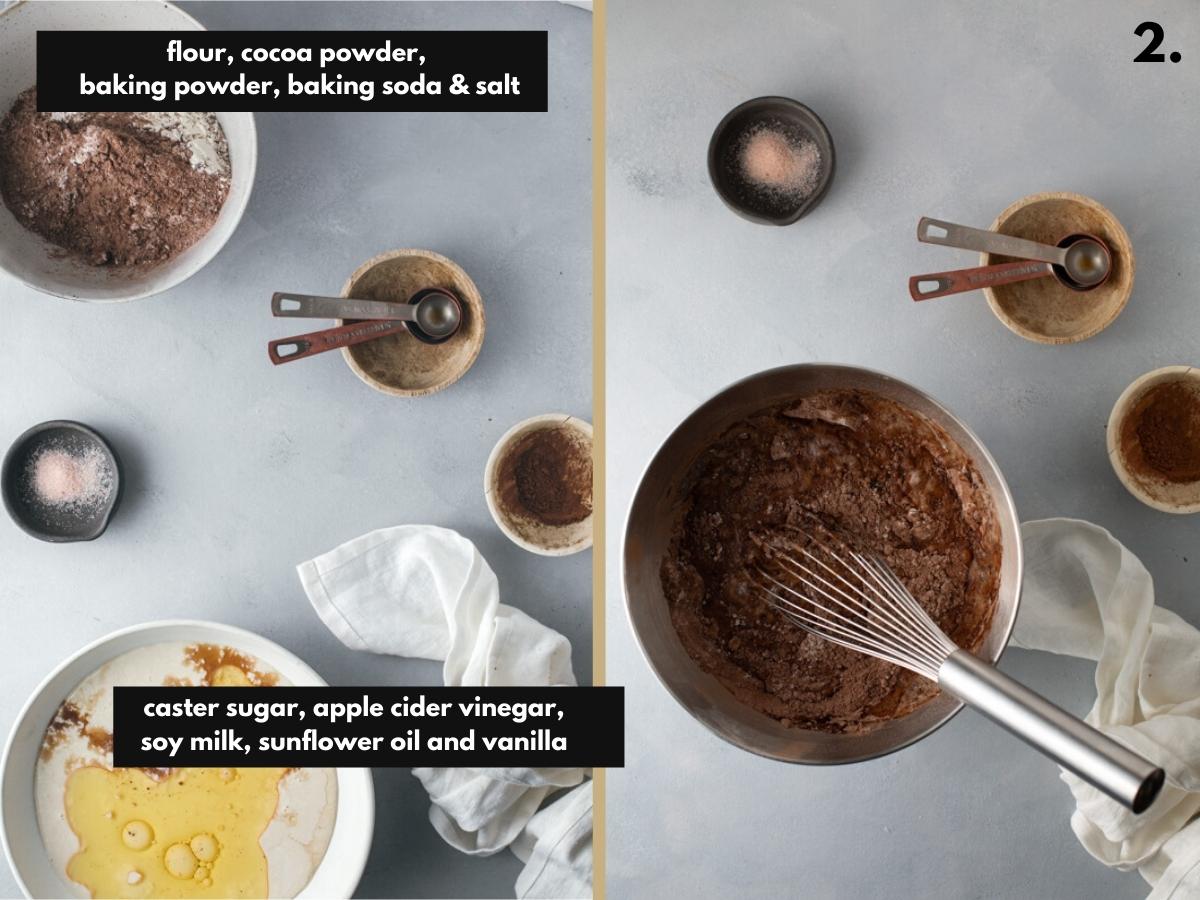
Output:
x=137 y=835
x=180 y=861
x=205 y=847
x=230 y=676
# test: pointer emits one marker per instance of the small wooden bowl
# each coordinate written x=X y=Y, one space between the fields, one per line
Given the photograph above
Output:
x=530 y=534
x=1043 y=310
x=399 y=364
x=1167 y=496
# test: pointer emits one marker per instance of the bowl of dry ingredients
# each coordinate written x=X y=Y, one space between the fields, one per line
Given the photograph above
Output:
x=1154 y=439
x=538 y=484
x=771 y=160
x=61 y=482
x=108 y=206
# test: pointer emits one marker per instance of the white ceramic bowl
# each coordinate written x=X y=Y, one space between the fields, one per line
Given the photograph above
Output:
x=29 y=258
x=546 y=540
x=343 y=863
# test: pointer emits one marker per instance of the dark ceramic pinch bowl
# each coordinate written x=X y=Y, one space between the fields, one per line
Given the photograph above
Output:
x=730 y=185
x=43 y=521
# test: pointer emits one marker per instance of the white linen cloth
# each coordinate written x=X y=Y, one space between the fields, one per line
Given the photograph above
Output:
x=1086 y=595
x=423 y=591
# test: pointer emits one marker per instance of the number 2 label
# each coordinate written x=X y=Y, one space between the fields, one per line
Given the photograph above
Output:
x=1150 y=51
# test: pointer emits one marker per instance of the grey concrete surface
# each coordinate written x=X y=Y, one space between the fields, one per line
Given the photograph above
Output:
x=237 y=471
x=948 y=109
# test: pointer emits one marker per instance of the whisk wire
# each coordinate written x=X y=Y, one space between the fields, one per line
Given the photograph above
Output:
x=833 y=631
x=892 y=606
x=859 y=604
x=919 y=626
x=831 y=593
x=886 y=604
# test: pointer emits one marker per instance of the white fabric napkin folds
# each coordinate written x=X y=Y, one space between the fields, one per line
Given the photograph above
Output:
x=1086 y=595
x=424 y=591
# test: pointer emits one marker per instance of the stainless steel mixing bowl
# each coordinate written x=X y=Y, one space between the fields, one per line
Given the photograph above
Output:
x=648 y=532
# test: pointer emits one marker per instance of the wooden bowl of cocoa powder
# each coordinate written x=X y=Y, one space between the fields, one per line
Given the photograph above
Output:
x=538 y=484
x=1154 y=439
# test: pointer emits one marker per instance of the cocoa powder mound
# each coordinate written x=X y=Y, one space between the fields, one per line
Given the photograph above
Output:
x=870 y=469
x=547 y=475
x=1160 y=435
x=105 y=187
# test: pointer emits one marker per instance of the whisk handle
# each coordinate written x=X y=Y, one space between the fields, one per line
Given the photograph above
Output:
x=1102 y=762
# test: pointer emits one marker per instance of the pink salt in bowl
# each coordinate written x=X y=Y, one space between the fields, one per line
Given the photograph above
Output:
x=61 y=482
x=771 y=160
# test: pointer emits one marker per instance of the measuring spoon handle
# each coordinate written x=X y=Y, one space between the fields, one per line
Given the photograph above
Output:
x=304 y=345
x=935 y=231
x=310 y=306
x=939 y=284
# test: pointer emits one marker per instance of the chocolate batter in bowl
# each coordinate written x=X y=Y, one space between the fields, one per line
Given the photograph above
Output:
x=868 y=455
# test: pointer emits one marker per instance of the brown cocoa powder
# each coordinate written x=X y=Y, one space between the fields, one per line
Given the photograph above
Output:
x=103 y=186
x=547 y=476
x=1160 y=435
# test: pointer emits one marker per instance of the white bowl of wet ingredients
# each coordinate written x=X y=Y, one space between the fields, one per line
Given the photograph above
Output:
x=72 y=826
x=164 y=258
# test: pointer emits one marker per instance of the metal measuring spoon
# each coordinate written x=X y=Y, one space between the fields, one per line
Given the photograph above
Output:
x=432 y=315
x=1083 y=261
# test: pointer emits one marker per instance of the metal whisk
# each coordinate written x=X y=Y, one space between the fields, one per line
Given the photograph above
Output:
x=828 y=587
